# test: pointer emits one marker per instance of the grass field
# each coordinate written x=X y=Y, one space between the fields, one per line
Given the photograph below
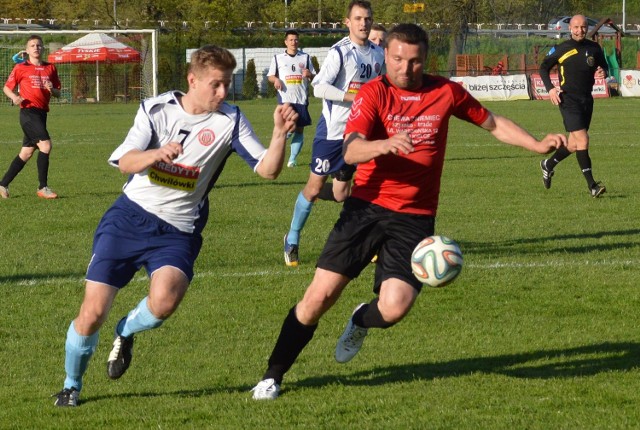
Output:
x=540 y=331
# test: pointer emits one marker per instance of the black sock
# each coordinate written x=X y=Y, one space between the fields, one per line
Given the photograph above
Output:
x=369 y=316
x=294 y=336
x=43 y=169
x=560 y=154
x=584 y=161
x=16 y=166
x=326 y=192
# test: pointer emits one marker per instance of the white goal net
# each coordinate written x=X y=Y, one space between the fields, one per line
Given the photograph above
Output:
x=84 y=79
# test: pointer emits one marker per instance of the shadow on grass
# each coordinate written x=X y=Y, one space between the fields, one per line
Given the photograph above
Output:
x=206 y=392
x=581 y=361
x=507 y=247
x=34 y=279
x=547 y=364
x=259 y=183
x=497 y=157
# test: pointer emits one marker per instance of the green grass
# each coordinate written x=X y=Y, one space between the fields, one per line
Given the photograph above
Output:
x=540 y=331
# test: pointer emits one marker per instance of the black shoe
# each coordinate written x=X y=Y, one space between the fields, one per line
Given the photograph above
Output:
x=546 y=174
x=67 y=397
x=597 y=189
x=120 y=355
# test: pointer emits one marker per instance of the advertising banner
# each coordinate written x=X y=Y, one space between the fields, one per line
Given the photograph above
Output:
x=505 y=87
x=600 y=88
x=629 y=85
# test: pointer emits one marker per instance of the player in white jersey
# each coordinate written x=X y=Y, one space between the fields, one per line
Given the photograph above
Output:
x=290 y=73
x=350 y=63
x=174 y=153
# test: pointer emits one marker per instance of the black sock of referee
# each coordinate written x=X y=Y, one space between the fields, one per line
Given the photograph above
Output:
x=16 y=166
x=369 y=316
x=294 y=336
x=560 y=154
x=43 y=169
x=584 y=161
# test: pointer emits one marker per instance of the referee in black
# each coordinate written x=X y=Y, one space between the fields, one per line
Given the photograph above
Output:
x=579 y=62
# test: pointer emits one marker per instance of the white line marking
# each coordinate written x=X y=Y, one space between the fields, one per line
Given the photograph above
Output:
x=206 y=274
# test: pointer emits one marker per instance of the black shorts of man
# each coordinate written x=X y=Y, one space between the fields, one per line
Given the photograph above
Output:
x=580 y=61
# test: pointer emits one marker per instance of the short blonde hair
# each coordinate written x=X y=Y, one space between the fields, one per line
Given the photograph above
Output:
x=211 y=56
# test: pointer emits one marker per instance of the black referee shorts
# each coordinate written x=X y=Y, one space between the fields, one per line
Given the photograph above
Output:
x=34 y=126
x=364 y=230
x=576 y=112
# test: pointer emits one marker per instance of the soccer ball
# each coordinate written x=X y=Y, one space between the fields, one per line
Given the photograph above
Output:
x=436 y=261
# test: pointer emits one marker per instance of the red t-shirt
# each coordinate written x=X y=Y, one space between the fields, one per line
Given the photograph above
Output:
x=31 y=79
x=408 y=183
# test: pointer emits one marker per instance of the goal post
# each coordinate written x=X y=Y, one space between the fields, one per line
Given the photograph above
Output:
x=86 y=82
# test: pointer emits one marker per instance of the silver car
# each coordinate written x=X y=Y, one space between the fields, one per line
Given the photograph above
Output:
x=559 y=27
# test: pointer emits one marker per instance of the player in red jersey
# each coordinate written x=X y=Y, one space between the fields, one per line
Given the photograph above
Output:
x=397 y=135
x=38 y=81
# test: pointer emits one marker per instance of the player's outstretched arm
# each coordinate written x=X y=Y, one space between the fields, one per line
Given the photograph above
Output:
x=511 y=133
x=284 y=121
x=356 y=149
x=136 y=161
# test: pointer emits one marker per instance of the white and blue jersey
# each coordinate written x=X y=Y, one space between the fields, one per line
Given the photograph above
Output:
x=288 y=68
x=347 y=67
x=176 y=192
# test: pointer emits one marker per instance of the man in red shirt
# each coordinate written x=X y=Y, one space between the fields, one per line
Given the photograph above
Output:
x=396 y=134
x=38 y=81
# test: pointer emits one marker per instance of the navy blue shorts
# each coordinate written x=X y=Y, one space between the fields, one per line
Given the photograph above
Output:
x=128 y=238
x=34 y=126
x=364 y=230
x=326 y=159
x=304 y=119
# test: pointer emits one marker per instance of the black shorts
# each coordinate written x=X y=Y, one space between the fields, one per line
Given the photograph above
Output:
x=364 y=230
x=34 y=126
x=576 y=112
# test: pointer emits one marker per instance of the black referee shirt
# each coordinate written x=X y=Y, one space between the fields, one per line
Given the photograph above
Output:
x=577 y=63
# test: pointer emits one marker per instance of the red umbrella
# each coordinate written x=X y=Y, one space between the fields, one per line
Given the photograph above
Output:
x=96 y=47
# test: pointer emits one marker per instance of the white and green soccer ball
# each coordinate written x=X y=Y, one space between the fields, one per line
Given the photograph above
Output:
x=436 y=261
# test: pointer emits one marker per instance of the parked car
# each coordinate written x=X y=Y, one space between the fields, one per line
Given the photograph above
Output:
x=559 y=27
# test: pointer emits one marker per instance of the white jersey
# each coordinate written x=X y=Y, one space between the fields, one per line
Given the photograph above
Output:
x=288 y=68
x=176 y=192
x=347 y=67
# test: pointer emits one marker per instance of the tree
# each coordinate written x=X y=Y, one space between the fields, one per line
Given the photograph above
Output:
x=458 y=14
x=250 y=84
x=80 y=84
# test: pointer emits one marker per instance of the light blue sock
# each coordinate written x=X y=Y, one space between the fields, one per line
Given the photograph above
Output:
x=296 y=146
x=300 y=215
x=139 y=319
x=78 y=352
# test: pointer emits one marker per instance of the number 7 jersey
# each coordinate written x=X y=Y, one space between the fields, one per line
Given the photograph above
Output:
x=176 y=192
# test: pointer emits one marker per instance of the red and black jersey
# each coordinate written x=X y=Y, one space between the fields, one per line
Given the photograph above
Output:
x=408 y=183
x=31 y=79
